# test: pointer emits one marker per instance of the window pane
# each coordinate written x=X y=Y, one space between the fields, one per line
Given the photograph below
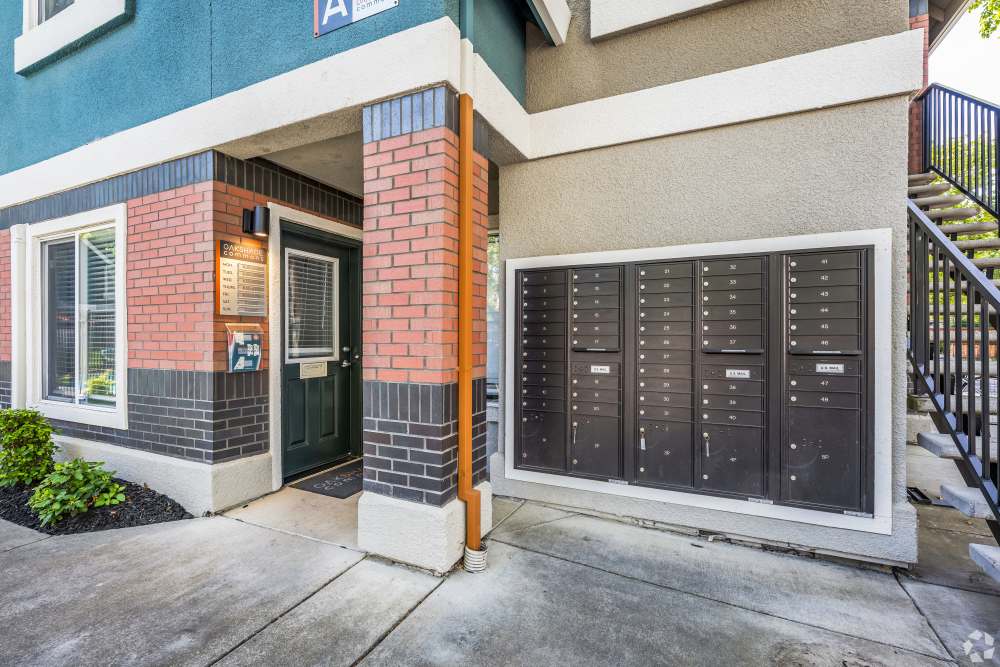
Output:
x=49 y=8
x=97 y=315
x=60 y=315
x=311 y=316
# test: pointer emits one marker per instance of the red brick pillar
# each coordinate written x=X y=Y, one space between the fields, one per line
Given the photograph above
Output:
x=915 y=158
x=410 y=303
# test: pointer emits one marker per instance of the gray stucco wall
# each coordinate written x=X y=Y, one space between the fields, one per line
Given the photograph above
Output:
x=832 y=170
x=742 y=34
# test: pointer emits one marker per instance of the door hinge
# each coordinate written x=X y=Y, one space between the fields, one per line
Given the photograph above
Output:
x=864 y=515
x=761 y=501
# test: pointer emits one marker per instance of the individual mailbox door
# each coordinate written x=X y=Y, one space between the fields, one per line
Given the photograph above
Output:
x=664 y=455
x=594 y=289
x=670 y=356
x=545 y=303
x=541 y=391
x=544 y=316
x=595 y=446
x=821 y=462
x=544 y=277
x=601 y=302
x=732 y=460
x=824 y=294
x=665 y=328
x=594 y=328
x=544 y=328
x=664 y=285
x=649 y=314
x=557 y=367
x=666 y=300
x=672 y=270
x=597 y=274
x=543 y=440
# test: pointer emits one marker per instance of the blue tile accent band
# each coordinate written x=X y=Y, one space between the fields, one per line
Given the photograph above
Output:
x=258 y=175
x=414 y=112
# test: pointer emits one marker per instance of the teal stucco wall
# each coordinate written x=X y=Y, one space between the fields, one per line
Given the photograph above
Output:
x=173 y=55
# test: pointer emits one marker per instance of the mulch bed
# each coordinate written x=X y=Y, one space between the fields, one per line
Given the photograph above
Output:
x=142 y=506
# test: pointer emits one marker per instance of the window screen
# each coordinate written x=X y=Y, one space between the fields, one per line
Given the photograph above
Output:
x=79 y=318
x=311 y=330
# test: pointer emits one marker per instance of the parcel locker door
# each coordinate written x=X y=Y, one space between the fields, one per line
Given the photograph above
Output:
x=665 y=453
x=543 y=441
x=595 y=446
x=822 y=458
x=732 y=459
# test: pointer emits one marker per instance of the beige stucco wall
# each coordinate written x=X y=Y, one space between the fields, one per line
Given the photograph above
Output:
x=832 y=170
x=738 y=35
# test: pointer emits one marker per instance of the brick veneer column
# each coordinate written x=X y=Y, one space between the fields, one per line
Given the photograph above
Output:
x=410 y=307
x=915 y=160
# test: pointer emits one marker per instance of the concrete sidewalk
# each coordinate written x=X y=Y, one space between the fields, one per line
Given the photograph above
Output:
x=561 y=587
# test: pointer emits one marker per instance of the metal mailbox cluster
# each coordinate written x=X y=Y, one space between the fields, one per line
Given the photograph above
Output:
x=744 y=376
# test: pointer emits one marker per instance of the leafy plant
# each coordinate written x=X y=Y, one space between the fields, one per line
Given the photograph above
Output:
x=26 y=447
x=74 y=487
x=989 y=19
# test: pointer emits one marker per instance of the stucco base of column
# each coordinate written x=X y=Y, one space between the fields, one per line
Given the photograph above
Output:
x=198 y=487
x=422 y=535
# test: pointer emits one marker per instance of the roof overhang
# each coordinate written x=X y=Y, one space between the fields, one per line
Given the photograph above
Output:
x=553 y=17
x=942 y=15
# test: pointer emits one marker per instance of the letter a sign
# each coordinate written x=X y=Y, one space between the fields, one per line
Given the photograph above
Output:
x=328 y=15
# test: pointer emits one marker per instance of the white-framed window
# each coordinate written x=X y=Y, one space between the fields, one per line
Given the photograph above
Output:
x=312 y=331
x=37 y=12
x=76 y=318
x=51 y=28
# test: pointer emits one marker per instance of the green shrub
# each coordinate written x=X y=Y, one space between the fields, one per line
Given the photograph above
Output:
x=26 y=447
x=74 y=487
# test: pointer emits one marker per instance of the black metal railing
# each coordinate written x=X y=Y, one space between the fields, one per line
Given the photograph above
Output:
x=960 y=144
x=952 y=347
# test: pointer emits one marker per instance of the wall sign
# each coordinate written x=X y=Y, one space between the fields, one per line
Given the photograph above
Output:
x=244 y=343
x=329 y=15
x=242 y=279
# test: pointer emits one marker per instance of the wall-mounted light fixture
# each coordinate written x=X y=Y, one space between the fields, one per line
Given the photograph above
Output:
x=256 y=221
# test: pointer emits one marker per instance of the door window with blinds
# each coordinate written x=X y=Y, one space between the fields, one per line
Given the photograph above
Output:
x=311 y=315
x=78 y=318
x=76 y=324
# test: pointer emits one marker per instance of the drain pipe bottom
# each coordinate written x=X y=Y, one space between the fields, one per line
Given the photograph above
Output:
x=474 y=561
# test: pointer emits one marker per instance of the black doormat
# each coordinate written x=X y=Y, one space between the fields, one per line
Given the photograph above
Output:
x=342 y=482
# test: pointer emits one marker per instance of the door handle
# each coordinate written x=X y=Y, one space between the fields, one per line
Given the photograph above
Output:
x=575 y=424
x=642 y=439
x=708 y=446
x=346 y=363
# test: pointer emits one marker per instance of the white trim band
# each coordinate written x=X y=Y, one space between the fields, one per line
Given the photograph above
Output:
x=610 y=17
x=432 y=53
x=881 y=239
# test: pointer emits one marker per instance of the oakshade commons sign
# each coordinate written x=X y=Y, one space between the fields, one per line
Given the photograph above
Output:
x=329 y=15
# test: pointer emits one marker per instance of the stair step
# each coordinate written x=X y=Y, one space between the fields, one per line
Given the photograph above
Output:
x=963 y=213
x=992 y=335
x=939 y=444
x=987 y=557
x=927 y=190
x=922 y=179
x=939 y=201
x=978 y=244
x=980 y=262
x=968 y=228
x=967 y=500
x=951 y=284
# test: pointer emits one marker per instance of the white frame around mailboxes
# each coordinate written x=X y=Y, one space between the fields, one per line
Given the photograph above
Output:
x=880 y=239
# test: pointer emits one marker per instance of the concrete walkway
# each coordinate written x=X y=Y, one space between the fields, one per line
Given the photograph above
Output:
x=561 y=587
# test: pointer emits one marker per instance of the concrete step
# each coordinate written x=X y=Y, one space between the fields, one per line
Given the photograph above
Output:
x=922 y=179
x=967 y=500
x=952 y=213
x=968 y=227
x=987 y=557
x=939 y=444
x=978 y=244
x=991 y=334
x=939 y=201
x=928 y=189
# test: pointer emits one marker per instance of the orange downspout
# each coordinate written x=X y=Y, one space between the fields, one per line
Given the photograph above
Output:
x=466 y=492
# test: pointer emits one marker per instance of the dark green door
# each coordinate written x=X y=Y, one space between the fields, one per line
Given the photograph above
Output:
x=318 y=349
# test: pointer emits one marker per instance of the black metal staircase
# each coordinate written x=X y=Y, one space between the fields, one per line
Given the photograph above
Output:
x=954 y=297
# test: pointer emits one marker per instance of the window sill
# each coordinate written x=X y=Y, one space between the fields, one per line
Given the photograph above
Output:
x=104 y=417
x=612 y=17
x=77 y=24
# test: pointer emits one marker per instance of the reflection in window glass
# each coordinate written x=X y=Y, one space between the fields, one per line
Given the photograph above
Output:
x=49 y=8
x=97 y=316
x=60 y=319
x=494 y=327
